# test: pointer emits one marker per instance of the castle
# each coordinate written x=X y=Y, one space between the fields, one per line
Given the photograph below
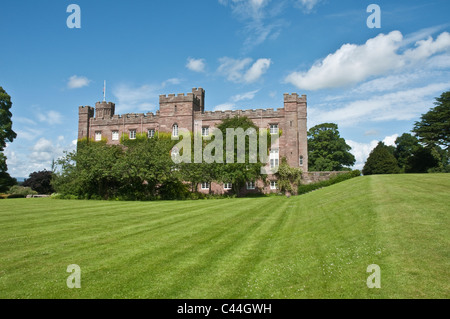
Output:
x=188 y=112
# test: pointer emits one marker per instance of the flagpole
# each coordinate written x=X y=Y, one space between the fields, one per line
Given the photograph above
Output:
x=104 y=91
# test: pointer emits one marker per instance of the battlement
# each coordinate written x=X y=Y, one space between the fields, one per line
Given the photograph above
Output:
x=179 y=98
x=294 y=97
x=251 y=113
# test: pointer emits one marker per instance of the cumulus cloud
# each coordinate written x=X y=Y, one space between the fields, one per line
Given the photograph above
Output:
x=240 y=71
x=353 y=63
x=50 y=117
x=401 y=105
x=76 y=82
x=361 y=151
x=196 y=65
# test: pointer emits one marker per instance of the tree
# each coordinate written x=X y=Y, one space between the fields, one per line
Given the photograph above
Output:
x=381 y=161
x=6 y=135
x=421 y=160
x=40 y=182
x=327 y=150
x=288 y=178
x=434 y=126
x=239 y=173
x=406 y=145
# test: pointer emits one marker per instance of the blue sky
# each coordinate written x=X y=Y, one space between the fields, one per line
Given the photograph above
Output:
x=374 y=83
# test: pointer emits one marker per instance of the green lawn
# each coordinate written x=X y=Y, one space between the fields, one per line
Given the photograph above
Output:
x=316 y=245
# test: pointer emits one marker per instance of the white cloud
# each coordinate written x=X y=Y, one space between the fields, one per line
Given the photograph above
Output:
x=196 y=65
x=353 y=63
x=400 y=105
x=224 y=107
x=134 y=99
x=244 y=96
x=38 y=157
x=361 y=151
x=76 y=82
x=307 y=5
x=240 y=71
x=50 y=117
x=390 y=140
x=260 y=22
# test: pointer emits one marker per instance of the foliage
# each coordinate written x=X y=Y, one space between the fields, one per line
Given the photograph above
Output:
x=7 y=135
x=288 y=178
x=21 y=190
x=434 y=126
x=421 y=160
x=406 y=145
x=240 y=173
x=327 y=150
x=40 y=182
x=303 y=189
x=381 y=161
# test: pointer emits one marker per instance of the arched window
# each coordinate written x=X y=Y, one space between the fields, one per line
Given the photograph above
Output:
x=175 y=130
x=301 y=160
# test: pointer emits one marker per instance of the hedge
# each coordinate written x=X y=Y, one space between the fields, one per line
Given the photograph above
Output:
x=303 y=189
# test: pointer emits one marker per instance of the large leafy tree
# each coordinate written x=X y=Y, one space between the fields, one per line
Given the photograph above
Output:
x=381 y=161
x=328 y=151
x=406 y=145
x=239 y=173
x=7 y=135
x=434 y=126
x=40 y=182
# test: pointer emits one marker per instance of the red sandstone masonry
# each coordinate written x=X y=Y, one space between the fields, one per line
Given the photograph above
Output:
x=188 y=112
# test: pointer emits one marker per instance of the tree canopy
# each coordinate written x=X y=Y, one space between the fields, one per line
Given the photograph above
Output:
x=381 y=161
x=328 y=151
x=7 y=135
x=40 y=182
x=434 y=126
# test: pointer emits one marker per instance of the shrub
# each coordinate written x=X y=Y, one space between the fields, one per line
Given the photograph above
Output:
x=20 y=190
x=303 y=189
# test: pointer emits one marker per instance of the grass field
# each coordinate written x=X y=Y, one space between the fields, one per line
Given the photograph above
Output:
x=317 y=245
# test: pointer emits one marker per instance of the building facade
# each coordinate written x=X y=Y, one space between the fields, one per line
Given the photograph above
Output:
x=187 y=111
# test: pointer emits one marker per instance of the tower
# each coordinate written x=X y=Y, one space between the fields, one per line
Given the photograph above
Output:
x=85 y=113
x=296 y=130
x=104 y=109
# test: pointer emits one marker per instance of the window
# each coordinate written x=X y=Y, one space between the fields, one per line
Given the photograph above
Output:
x=175 y=130
x=273 y=185
x=205 y=185
x=250 y=185
x=273 y=128
x=115 y=135
x=175 y=109
x=151 y=133
x=274 y=158
x=132 y=134
x=205 y=131
x=227 y=186
x=301 y=161
x=98 y=136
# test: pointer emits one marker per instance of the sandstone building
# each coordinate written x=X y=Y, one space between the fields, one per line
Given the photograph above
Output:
x=188 y=111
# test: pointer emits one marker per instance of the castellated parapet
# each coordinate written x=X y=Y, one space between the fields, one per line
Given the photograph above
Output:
x=188 y=111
